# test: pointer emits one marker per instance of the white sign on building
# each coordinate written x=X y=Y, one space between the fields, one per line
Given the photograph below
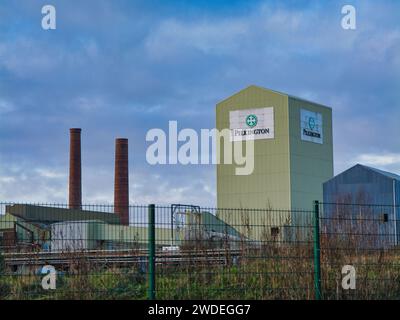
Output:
x=311 y=126
x=252 y=124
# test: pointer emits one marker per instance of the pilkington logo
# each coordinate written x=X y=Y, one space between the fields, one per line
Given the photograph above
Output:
x=311 y=123
x=251 y=120
x=313 y=129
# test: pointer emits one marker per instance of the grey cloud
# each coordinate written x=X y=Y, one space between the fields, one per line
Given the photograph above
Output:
x=120 y=69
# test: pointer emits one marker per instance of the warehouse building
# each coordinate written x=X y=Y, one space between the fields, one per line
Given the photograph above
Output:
x=59 y=229
x=364 y=200
x=24 y=226
x=293 y=156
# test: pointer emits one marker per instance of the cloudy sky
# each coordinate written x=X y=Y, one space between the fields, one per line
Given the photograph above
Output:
x=119 y=68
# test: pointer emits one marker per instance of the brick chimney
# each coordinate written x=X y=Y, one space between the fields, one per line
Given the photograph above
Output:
x=75 y=171
x=121 y=184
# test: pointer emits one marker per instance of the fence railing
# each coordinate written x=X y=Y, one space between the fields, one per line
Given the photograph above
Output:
x=365 y=238
x=190 y=252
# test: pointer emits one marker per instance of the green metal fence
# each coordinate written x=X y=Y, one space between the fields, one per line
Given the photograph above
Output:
x=365 y=238
x=190 y=252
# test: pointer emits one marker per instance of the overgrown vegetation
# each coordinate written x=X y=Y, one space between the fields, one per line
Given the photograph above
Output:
x=274 y=272
x=2 y=263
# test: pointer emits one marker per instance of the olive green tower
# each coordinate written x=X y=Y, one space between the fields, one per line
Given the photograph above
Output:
x=293 y=152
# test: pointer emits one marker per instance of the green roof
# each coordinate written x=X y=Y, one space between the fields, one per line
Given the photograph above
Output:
x=214 y=224
x=48 y=215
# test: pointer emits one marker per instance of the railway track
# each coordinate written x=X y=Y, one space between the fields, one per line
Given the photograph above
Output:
x=117 y=257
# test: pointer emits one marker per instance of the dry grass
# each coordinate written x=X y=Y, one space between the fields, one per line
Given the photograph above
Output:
x=269 y=268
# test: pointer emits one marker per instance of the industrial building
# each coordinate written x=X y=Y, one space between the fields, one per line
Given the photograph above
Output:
x=27 y=226
x=57 y=229
x=293 y=167
x=293 y=156
x=52 y=228
x=368 y=197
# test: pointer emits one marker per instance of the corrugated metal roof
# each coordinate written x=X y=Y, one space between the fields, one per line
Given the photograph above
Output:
x=378 y=171
x=385 y=173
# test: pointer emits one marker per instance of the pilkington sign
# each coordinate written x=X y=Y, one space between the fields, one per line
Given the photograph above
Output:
x=311 y=126
x=252 y=124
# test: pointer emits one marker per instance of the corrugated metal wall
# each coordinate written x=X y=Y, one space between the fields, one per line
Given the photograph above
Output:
x=361 y=186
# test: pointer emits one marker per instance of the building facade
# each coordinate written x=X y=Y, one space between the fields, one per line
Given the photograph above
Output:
x=293 y=153
x=367 y=198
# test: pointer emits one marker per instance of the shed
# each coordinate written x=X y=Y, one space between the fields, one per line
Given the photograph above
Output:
x=369 y=199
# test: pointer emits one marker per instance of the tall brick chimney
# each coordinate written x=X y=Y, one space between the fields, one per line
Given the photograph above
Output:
x=121 y=184
x=75 y=171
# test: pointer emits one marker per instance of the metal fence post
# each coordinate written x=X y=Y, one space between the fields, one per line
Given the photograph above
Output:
x=317 y=251
x=152 y=251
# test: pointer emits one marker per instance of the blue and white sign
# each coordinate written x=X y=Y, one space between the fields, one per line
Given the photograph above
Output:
x=311 y=126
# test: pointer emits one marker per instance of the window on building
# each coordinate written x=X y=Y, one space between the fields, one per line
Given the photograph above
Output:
x=274 y=231
x=385 y=217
